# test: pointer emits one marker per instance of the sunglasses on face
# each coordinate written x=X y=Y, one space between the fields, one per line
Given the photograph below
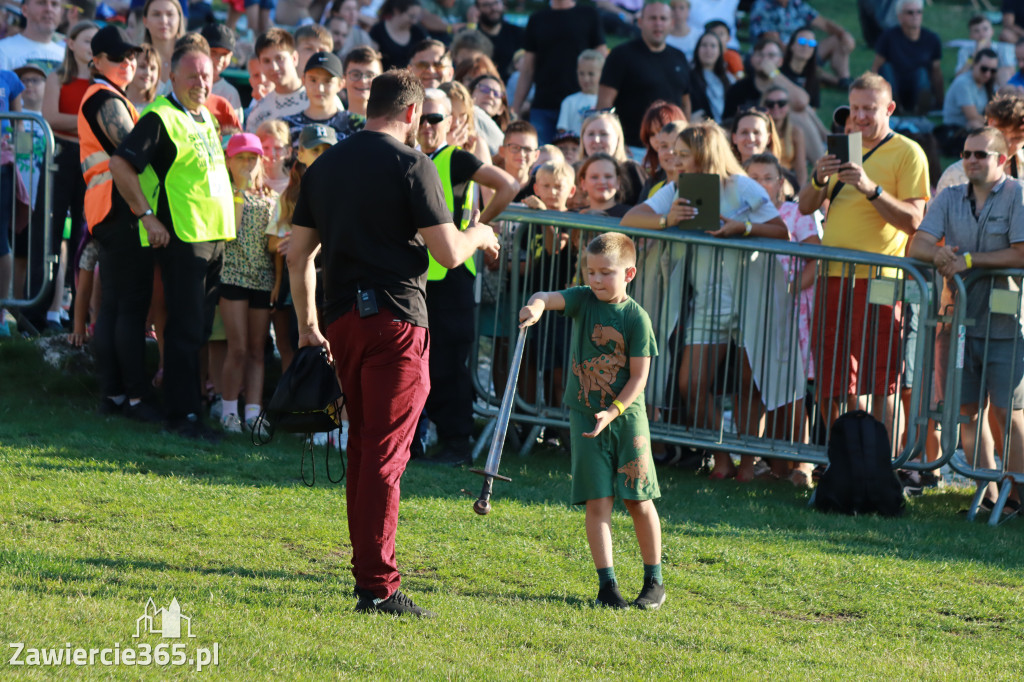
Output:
x=488 y=90
x=119 y=59
x=431 y=119
x=433 y=66
x=913 y=11
x=807 y=42
x=987 y=69
x=978 y=154
x=775 y=103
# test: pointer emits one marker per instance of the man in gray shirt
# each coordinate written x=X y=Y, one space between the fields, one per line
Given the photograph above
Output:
x=983 y=225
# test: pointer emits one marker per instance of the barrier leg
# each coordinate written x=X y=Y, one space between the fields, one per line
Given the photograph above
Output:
x=531 y=440
x=484 y=439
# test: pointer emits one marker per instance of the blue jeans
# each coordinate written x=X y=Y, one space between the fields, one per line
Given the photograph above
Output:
x=907 y=85
x=546 y=123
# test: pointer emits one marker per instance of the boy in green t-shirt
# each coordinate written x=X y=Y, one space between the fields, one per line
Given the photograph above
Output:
x=611 y=350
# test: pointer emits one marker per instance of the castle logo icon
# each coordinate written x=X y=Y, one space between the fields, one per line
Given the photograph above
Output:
x=164 y=622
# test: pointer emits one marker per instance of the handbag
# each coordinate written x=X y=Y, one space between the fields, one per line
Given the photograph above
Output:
x=308 y=399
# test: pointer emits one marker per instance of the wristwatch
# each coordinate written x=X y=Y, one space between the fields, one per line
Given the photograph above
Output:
x=149 y=211
x=663 y=222
x=877 y=193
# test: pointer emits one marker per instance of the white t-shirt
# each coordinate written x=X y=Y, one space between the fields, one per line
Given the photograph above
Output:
x=966 y=49
x=741 y=199
x=275 y=105
x=17 y=51
x=570 y=115
x=709 y=10
x=686 y=44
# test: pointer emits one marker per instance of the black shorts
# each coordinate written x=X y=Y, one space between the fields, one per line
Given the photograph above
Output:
x=257 y=299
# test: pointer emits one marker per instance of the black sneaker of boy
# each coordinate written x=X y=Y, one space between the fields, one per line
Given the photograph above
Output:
x=398 y=604
x=609 y=596
x=651 y=596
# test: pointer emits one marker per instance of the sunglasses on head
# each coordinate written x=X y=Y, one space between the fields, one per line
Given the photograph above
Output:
x=806 y=42
x=431 y=119
x=979 y=154
x=775 y=103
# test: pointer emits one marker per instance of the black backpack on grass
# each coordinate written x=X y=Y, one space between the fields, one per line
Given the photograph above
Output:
x=307 y=400
x=859 y=478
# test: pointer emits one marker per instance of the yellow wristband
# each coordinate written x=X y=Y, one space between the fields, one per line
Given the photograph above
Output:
x=968 y=259
x=747 y=228
x=816 y=184
x=239 y=200
x=622 y=410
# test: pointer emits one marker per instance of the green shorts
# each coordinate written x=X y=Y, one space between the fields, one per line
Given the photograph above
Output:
x=617 y=463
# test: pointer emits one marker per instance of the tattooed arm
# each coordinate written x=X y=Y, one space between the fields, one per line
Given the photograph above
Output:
x=114 y=120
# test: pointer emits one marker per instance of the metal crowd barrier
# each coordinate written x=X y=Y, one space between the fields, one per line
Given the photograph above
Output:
x=986 y=344
x=26 y=191
x=735 y=372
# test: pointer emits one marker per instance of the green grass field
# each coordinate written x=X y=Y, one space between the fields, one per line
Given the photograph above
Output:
x=98 y=515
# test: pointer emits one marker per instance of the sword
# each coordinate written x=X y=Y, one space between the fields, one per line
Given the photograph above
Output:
x=490 y=471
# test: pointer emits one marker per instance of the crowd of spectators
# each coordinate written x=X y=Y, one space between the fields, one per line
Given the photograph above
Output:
x=531 y=109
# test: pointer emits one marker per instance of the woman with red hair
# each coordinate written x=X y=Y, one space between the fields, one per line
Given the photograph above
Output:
x=659 y=114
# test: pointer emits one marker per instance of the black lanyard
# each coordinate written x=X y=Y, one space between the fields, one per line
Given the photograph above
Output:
x=839 y=185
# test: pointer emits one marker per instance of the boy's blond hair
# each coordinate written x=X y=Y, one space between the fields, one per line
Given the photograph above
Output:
x=275 y=128
x=559 y=170
x=615 y=246
x=590 y=56
x=553 y=152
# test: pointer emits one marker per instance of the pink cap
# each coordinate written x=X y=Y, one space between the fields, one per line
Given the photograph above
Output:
x=244 y=142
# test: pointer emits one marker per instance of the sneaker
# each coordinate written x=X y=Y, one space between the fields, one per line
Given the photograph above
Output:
x=191 y=427
x=610 y=596
x=262 y=432
x=231 y=423
x=108 y=407
x=398 y=604
x=651 y=596
x=217 y=408
x=142 y=412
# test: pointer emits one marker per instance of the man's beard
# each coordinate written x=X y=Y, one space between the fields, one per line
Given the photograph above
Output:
x=488 y=23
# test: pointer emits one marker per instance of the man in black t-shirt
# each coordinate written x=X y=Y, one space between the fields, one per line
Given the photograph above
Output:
x=450 y=300
x=644 y=70
x=909 y=56
x=555 y=37
x=375 y=205
x=506 y=37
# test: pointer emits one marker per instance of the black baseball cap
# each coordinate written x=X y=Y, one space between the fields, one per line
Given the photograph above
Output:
x=114 y=42
x=219 y=36
x=328 y=61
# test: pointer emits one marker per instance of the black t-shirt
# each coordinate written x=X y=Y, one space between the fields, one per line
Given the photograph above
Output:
x=149 y=145
x=367 y=197
x=119 y=211
x=741 y=95
x=1016 y=8
x=509 y=39
x=907 y=55
x=455 y=291
x=392 y=53
x=641 y=76
x=814 y=92
x=556 y=37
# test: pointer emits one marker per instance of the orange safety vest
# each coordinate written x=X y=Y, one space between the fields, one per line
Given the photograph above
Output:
x=99 y=183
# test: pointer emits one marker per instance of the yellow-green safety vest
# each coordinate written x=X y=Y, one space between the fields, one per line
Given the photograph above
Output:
x=197 y=185
x=443 y=161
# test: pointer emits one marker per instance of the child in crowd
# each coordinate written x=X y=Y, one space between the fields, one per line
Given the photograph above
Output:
x=568 y=143
x=682 y=36
x=981 y=33
x=309 y=40
x=546 y=153
x=277 y=151
x=575 y=107
x=246 y=281
x=599 y=180
x=142 y=90
x=278 y=58
x=733 y=60
x=361 y=65
x=222 y=46
x=259 y=83
x=518 y=153
x=611 y=350
x=322 y=80
x=800 y=275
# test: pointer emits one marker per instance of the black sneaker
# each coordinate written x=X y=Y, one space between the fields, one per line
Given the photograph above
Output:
x=143 y=412
x=190 y=426
x=651 y=596
x=398 y=604
x=609 y=596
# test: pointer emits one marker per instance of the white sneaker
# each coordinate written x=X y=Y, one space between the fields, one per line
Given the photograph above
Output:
x=262 y=432
x=231 y=423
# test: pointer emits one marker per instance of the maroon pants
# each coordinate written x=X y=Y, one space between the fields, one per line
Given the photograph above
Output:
x=383 y=366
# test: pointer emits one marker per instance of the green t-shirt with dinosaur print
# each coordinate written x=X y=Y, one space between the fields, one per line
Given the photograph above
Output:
x=604 y=337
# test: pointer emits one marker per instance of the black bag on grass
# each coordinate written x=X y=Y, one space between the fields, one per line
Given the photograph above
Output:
x=859 y=478
x=307 y=400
